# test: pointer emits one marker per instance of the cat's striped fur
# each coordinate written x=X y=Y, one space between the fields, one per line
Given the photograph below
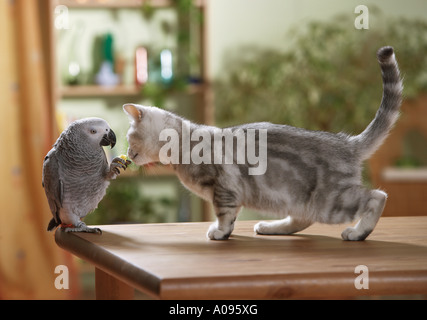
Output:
x=311 y=176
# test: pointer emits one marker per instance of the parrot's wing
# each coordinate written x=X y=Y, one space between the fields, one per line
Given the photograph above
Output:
x=52 y=184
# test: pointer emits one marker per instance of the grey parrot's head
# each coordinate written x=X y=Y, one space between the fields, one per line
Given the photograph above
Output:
x=94 y=132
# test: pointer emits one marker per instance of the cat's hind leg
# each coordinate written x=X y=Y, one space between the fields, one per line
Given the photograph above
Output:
x=288 y=225
x=369 y=218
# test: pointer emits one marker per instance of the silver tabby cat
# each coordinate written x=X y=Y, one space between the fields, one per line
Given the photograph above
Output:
x=310 y=176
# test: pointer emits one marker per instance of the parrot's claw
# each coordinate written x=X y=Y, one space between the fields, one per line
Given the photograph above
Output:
x=117 y=164
x=121 y=161
x=82 y=227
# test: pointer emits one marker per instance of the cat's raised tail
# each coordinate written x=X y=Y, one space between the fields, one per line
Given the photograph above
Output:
x=373 y=136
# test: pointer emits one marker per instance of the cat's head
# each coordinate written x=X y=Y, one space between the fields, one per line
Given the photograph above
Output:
x=146 y=124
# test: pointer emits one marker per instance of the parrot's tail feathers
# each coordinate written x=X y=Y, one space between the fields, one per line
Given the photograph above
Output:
x=52 y=224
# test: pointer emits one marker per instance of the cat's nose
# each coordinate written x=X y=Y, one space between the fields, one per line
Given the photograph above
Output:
x=131 y=153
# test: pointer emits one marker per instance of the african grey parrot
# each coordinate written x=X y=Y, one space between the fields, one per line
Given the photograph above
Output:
x=76 y=173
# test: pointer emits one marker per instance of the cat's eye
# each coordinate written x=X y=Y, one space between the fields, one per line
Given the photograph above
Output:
x=93 y=131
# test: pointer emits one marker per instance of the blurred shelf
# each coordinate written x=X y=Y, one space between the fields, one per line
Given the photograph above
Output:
x=98 y=91
x=113 y=3
x=201 y=99
x=116 y=4
x=405 y=174
x=120 y=90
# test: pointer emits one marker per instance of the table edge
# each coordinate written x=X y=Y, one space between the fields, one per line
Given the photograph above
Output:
x=294 y=286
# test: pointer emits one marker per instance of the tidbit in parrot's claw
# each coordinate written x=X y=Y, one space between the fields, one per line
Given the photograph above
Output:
x=125 y=158
x=119 y=163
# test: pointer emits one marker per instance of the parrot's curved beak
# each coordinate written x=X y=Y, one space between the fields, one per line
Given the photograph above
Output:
x=109 y=139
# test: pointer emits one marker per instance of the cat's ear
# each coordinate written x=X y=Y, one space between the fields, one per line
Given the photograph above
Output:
x=133 y=111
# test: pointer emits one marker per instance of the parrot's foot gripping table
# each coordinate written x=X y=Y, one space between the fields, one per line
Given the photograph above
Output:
x=177 y=261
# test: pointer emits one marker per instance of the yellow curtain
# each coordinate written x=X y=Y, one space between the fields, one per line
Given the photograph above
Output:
x=28 y=253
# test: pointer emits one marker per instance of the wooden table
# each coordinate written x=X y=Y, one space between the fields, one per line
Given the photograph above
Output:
x=177 y=261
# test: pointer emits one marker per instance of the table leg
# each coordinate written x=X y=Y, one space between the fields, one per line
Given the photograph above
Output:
x=110 y=288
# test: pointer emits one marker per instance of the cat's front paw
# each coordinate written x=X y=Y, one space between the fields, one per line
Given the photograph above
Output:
x=215 y=234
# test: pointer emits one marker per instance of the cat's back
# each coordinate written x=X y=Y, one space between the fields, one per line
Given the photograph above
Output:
x=303 y=142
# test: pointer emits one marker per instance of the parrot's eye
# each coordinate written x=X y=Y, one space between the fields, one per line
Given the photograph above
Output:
x=93 y=131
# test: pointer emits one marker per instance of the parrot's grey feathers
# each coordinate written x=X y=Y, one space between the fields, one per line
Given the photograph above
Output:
x=76 y=172
x=61 y=192
x=53 y=187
